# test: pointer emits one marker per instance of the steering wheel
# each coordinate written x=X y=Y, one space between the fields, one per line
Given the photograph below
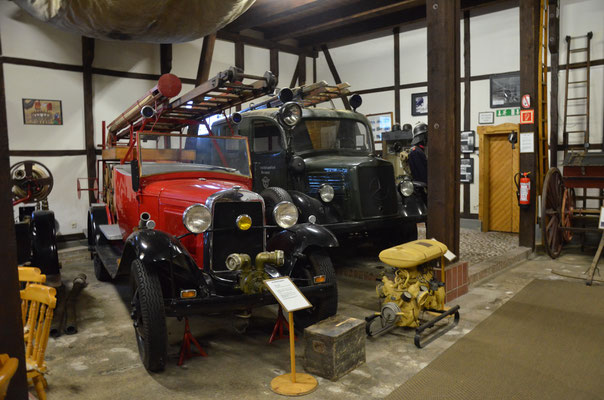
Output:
x=31 y=181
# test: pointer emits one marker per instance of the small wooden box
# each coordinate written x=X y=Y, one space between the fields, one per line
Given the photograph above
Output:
x=334 y=346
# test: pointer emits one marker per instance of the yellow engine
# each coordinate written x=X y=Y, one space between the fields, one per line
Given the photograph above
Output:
x=413 y=289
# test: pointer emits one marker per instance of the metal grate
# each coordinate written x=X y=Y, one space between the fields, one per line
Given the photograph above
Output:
x=378 y=195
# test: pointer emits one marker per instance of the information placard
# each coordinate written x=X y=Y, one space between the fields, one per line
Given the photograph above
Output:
x=287 y=294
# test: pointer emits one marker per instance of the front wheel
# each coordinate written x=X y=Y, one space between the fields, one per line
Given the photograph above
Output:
x=100 y=272
x=318 y=263
x=149 y=317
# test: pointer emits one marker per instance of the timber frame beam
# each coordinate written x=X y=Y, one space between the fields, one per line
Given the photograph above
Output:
x=87 y=58
x=443 y=121
x=334 y=72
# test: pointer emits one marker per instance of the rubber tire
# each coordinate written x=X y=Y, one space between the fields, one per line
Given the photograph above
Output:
x=153 y=347
x=100 y=272
x=273 y=196
x=319 y=264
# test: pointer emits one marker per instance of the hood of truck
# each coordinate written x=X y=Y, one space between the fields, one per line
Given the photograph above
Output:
x=335 y=162
x=192 y=190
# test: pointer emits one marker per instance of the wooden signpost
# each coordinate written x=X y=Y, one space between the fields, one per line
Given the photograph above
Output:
x=291 y=299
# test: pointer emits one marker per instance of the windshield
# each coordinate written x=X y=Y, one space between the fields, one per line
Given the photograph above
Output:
x=331 y=134
x=177 y=153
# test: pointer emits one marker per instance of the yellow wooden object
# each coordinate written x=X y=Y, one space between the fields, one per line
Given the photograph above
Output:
x=42 y=302
x=412 y=254
x=27 y=276
x=293 y=384
x=117 y=153
x=498 y=163
x=8 y=367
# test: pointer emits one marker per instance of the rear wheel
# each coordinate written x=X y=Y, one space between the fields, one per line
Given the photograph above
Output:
x=100 y=272
x=318 y=263
x=149 y=317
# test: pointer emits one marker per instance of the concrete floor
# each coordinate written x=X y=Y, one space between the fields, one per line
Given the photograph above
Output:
x=101 y=361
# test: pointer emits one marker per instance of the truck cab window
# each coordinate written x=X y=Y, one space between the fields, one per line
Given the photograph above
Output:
x=267 y=137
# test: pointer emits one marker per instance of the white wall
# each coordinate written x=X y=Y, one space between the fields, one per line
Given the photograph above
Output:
x=494 y=41
x=365 y=65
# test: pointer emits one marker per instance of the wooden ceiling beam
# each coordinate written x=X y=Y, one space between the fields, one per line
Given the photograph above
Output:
x=270 y=10
x=337 y=17
x=263 y=43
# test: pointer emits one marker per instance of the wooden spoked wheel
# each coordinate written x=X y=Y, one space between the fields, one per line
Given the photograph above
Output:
x=568 y=206
x=551 y=215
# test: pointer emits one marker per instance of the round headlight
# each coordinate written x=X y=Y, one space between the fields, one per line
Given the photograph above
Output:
x=290 y=114
x=197 y=218
x=326 y=192
x=285 y=214
x=406 y=188
x=244 y=222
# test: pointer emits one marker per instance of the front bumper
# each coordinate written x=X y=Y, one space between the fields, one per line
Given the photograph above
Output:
x=218 y=304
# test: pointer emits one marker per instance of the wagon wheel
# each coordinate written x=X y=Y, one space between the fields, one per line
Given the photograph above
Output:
x=551 y=204
x=568 y=206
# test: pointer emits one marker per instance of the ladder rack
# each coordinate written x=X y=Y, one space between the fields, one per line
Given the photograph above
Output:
x=306 y=95
x=226 y=90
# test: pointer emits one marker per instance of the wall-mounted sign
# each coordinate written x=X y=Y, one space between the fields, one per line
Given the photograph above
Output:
x=526 y=101
x=508 y=112
x=527 y=116
x=380 y=123
x=527 y=144
x=486 y=117
x=42 y=112
x=467 y=170
x=468 y=138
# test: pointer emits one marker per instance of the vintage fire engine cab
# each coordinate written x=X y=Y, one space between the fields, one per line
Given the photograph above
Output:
x=179 y=216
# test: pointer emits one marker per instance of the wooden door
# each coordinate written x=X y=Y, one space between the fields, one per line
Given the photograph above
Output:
x=503 y=206
x=499 y=164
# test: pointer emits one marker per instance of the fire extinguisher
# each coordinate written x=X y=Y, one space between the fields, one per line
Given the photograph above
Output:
x=523 y=188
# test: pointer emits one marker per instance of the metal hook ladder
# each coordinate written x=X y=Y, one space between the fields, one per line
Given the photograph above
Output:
x=543 y=161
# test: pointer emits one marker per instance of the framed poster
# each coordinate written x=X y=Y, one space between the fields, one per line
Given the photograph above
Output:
x=419 y=104
x=468 y=138
x=467 y=170
x=486 y=117
x=380 y=123
x=42 y=112
x=505 y=90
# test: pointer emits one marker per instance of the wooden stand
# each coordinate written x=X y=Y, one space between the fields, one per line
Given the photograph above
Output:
x=594 y=264
x=293 y=384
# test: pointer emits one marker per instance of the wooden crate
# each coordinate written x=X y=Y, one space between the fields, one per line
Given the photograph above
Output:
x=334 y=347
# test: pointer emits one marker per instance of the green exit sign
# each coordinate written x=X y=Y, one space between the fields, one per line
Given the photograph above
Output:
x=508 y=112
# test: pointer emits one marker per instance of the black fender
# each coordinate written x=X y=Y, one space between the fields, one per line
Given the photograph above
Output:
x=165 y=254
x=414 y=207
x=308 y=206
x=44 y=242
x=97 y=216
x=295 y=240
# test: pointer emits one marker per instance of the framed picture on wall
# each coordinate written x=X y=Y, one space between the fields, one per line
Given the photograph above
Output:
x=505 y=90
x=419 y=104
x=42 y=112
x=380 y=123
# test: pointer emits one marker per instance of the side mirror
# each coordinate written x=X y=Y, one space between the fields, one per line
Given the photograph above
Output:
x=135 y=173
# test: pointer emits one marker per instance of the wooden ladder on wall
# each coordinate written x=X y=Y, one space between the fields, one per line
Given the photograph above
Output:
x=577 y=117
x=543 y=159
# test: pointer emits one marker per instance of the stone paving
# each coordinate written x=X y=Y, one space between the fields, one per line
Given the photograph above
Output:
x=476 y=246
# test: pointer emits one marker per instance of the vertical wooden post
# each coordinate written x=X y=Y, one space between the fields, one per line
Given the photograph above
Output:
x=553 y=44
x=239 y=61
x=274 y=62
x=292 y=346
x=397 y=76
x=165 y=58
x=466 y=102
x=11 y=328
x=442 y=18
x=334 y=72
x=87 y=58
x=314 y=68
x=529 y=70
x=302 y=69
x=205 y=59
